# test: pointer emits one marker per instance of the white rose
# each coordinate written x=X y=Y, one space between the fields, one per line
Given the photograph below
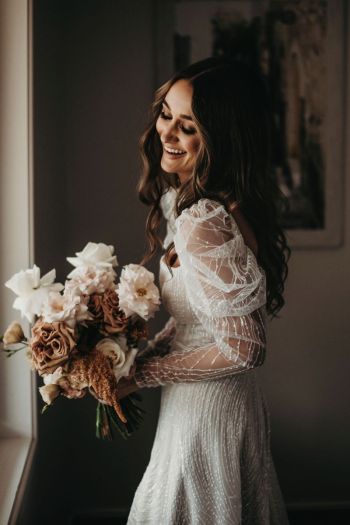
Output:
x=49 y=393
x=137 y=291
x=32 y=290
x=121 y=361
x=94 y=254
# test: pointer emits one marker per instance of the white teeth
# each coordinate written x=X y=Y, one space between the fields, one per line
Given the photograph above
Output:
x=170 y=150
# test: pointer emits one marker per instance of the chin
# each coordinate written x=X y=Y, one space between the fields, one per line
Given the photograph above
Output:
x=166 y=168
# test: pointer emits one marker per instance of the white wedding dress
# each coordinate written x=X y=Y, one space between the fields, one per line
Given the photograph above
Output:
x=210 y=462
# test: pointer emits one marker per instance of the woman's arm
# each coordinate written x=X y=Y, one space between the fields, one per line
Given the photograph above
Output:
x=208 y=362
x=227 y=292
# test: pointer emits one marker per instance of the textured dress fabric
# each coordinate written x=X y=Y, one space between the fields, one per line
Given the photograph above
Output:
x=211 y=461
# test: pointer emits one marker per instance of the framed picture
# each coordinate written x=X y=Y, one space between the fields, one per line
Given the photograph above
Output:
x=299 y=48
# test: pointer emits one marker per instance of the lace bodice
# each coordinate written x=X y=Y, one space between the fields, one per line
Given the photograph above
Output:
x=216 y=298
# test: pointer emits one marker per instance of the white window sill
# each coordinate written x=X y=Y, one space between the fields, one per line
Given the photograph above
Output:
x=16 y=455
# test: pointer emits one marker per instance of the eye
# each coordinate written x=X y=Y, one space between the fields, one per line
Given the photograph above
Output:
x=164 y=116
x=188 y=131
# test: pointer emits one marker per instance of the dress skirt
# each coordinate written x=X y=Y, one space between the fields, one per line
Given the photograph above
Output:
x=211 y=462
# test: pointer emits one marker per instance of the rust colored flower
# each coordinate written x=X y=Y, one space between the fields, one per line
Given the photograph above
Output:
x=52 y=345
x=95 y=309
x=114 y=319
x=137 y=329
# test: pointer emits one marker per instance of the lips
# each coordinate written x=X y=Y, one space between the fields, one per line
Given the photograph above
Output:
x=173 y=153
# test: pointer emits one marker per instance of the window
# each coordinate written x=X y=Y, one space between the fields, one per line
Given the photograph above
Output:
x=17 y=406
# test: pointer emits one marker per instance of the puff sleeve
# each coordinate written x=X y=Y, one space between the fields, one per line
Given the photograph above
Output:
x=227 y=292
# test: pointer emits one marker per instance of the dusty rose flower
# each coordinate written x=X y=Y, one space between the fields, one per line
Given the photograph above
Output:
x=114 y=319
x=95 y=309
x=106 y=314
x=13 y=334
x=137 y=329
x=52 y=345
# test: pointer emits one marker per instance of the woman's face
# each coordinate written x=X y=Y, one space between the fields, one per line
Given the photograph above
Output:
x=178 y=132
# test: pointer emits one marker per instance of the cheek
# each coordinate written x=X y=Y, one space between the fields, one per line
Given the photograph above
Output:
x=159 y=127
x=194 y=146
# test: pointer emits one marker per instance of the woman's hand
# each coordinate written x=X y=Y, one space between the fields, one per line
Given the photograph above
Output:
x=126 y=385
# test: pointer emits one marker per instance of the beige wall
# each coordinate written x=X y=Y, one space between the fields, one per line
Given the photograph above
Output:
x=93 y=86
x=306 y=375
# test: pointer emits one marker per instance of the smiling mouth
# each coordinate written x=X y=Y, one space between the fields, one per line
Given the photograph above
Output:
x=174 y=153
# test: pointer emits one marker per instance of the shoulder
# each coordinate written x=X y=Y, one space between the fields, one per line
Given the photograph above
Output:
x=207 y=213
x=207 y=226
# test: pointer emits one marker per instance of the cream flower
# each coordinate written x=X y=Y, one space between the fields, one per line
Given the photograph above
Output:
x=53 y=379
x=97 y=255
x=137 y=292
x=122 y=360
x=32 y=290
x=13 y=334
x=49 y=393
x=69 y=307
x=88 y=280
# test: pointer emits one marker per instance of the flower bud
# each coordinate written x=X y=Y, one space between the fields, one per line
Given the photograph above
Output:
x=49 y=393
x=14 y=334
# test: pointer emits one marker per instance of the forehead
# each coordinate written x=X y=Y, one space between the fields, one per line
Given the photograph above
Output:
x=179 y=97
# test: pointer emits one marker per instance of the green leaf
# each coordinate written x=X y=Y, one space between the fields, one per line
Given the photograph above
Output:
x=103 y=429
x=106 y=417
x=45 y=407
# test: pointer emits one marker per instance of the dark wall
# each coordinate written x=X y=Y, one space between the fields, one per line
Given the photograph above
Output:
x=93 y=85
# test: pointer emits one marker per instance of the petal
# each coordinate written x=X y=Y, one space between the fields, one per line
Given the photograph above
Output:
x=48 y=278
x=74 y=261
x=35 y=275
x=20 y=283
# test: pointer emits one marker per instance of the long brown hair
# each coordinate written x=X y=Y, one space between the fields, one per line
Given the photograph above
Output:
x=231 y=108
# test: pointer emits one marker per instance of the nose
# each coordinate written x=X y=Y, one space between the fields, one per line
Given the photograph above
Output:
x=169 y=133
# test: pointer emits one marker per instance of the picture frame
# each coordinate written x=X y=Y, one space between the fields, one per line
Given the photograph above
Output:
x=186 y=32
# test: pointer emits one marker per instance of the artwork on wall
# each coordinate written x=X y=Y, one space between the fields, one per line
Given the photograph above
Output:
x=298 y=46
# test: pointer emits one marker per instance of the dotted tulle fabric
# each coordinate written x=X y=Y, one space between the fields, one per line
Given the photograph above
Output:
x=210 y=462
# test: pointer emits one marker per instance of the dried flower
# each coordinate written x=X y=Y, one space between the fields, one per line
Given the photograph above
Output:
x=52 y=345
x=13 y=334
x=114 y=319
x=49 y=393
x=137 y=329
x=95 y=309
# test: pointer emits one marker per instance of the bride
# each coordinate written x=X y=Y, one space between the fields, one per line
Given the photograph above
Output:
x=207 y=171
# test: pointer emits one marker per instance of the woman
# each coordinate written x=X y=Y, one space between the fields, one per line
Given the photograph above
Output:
x=207 y=158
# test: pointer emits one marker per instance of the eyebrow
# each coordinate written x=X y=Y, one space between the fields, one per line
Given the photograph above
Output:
x=187 y=117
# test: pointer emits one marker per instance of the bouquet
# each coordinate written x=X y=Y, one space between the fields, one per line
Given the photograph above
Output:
x=85 y=333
